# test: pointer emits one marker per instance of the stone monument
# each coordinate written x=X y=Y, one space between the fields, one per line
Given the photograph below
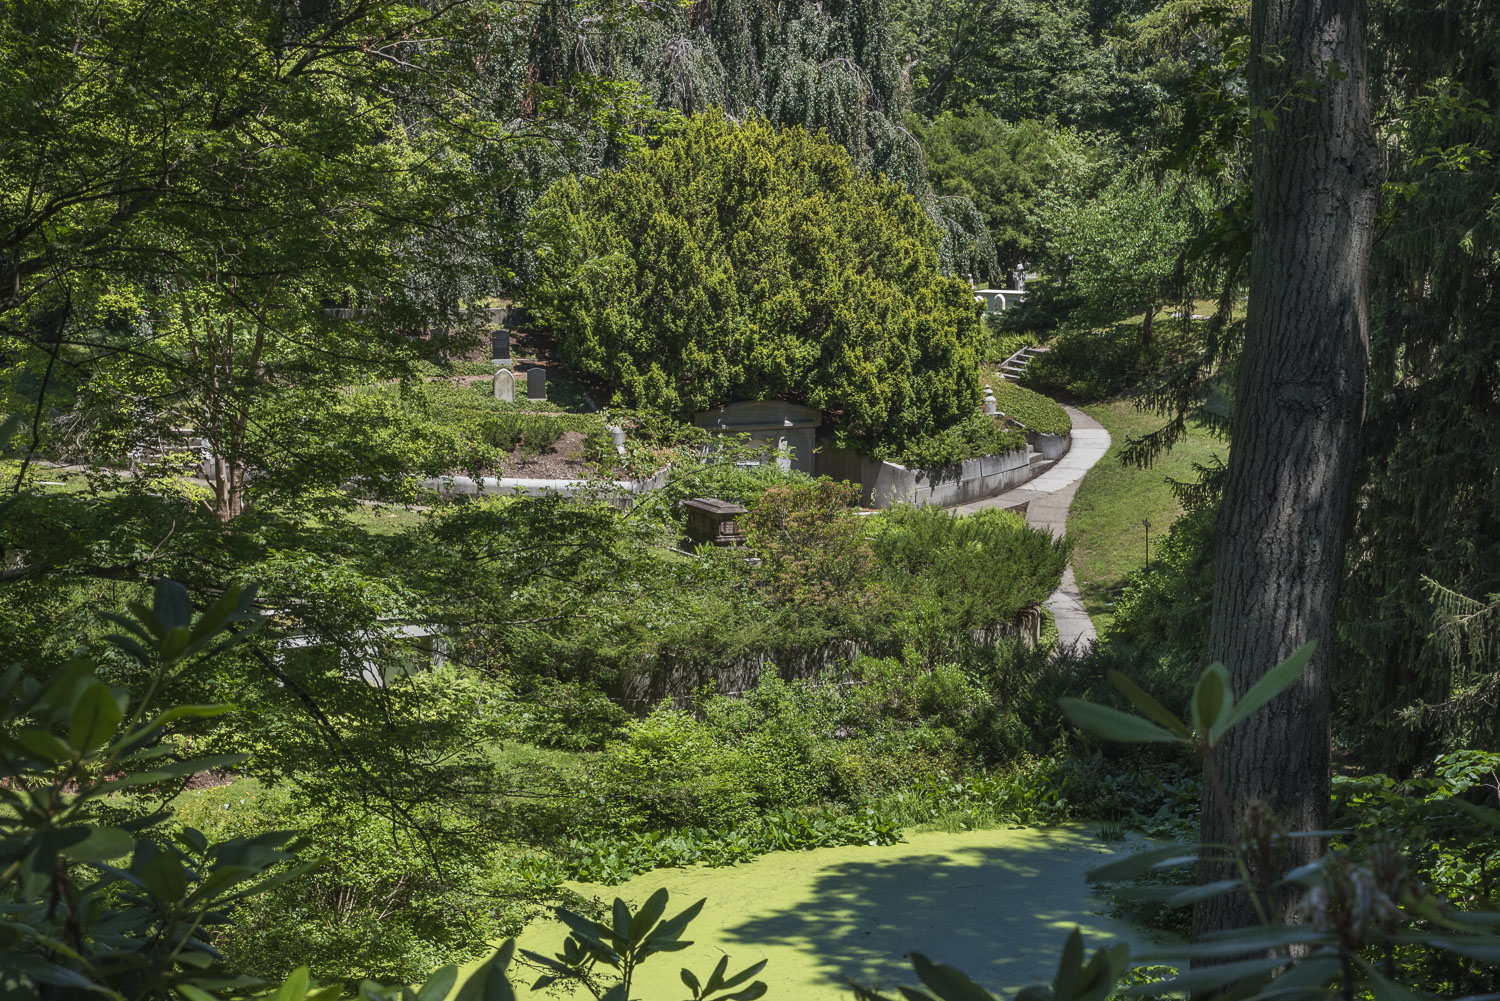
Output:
x=500 y=349
x=714 y=521
x=505 y=386
x=536 y=383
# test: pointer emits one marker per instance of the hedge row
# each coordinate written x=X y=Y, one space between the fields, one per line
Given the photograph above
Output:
x=970 y=438
x=1037 y=412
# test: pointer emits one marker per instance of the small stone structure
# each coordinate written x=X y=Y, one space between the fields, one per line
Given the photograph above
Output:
x=536 y=383
x=1052 y=446
x=785 y=430
x=505 y=386
x=996 y=300
x=458 y=485
x=715 y=521
x=500 y=349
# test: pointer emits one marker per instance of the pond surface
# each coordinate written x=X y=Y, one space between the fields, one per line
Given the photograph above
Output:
x=997 y=904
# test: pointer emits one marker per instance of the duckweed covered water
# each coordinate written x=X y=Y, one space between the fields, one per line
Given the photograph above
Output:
x=995 y=903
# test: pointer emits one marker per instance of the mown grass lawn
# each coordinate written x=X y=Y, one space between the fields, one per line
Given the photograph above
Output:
x=1113 y=499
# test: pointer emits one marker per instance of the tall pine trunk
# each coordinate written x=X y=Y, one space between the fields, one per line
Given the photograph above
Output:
x=1298 y=407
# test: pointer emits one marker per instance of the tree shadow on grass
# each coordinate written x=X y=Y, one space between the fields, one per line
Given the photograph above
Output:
x=1100 y=599
x=1000 y=912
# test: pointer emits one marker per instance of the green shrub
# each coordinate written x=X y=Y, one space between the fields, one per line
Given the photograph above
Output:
x=1001 y=344
x=907 y=691
x=571 y=716
x=671 y=770
x=1095 y=363
x=1453 y=849
x=613 y=859
x=1034 y=794
x=739 y=262
x=380 y=905
x=952 y=561
x=1161 y=616
x=539 y=434
x=970 y=438
x=1035 y=411
x=812 y=542
x=786 y=733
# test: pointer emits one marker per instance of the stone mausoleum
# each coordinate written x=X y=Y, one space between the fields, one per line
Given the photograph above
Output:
x=786 y=430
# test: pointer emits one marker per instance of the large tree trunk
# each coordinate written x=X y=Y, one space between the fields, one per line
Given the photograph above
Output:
x=1298 y=406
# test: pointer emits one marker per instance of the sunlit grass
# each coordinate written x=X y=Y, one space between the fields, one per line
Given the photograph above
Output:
x=1105 y=519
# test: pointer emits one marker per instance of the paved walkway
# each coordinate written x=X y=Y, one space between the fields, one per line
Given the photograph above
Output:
x=1047 y=498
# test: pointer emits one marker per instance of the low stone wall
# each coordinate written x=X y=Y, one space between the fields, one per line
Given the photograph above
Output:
x=678 y=681
x=886 y=483
x=505 y=486
x=1052 y=446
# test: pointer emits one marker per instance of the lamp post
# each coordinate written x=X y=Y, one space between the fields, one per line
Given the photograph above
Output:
x=1146 y=524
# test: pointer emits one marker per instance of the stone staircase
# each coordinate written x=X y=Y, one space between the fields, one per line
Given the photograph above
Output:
x=1012 y=367
x=1010 y=370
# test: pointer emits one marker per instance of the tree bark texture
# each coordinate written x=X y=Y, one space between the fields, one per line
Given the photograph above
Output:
x=1298 y=408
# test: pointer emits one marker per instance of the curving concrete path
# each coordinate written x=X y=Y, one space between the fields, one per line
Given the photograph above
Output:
x=1047 y=498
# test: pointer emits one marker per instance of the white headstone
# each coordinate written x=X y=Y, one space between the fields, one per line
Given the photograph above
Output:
x=989 y=401
x=505 y=386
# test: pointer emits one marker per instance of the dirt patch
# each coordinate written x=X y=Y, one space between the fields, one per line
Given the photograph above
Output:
x=564 y=461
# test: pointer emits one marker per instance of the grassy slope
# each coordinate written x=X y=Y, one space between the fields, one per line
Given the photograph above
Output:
x=1105 y=519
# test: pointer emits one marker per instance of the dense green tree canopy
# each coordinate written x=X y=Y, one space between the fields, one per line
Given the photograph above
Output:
x=831 y=67
x=1005 y=171
x=173 y=223
x=1018 y=59
x=1432 y=438
x=750 y=262
x=1127 y=248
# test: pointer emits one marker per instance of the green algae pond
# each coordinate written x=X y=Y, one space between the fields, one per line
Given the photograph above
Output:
x=995 y=903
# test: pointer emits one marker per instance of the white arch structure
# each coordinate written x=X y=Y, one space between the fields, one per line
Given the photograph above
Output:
x=997 y=299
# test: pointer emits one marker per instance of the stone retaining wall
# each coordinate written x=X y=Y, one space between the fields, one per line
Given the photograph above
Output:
x=505 y=486
x=1052 y=446
x=678 y=681
x=886 y=483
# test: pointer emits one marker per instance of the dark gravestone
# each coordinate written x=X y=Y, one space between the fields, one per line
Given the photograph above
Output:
x=536 y=383
x=500 y=348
